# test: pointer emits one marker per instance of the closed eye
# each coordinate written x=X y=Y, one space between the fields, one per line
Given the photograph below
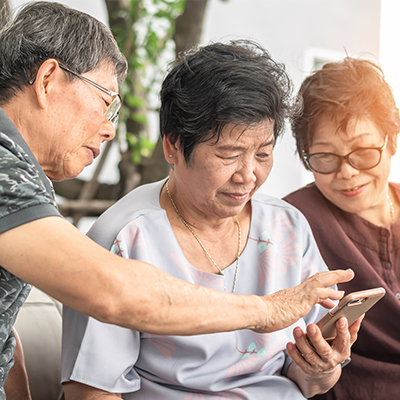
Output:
x=263 y=155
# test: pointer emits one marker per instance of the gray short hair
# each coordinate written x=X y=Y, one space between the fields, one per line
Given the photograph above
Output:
x=43 y=30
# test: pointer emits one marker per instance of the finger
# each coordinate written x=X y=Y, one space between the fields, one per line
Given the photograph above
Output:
x=320 y=345
x=330 y=278
x=354 y=328
x=342 y=342
x=297 y=357
x=306 y=349
x=327 y=303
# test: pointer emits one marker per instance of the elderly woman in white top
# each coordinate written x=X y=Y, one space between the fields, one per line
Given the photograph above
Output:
x=222 y=109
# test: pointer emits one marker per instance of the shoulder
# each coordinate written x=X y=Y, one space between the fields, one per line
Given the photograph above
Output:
x=24 y=195
x=142 y=201
x=304 y=194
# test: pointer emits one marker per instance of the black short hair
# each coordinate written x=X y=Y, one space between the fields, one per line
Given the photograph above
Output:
x=42 y=30
x=219 y=84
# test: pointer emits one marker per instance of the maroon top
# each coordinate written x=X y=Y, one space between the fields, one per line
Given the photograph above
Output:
x=373 y=252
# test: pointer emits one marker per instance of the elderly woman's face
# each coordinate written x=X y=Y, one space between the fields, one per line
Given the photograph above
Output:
x=78 y=126
x=222 y=177
x=357 y=191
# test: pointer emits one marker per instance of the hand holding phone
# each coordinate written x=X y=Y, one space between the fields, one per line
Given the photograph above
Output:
x=352 y=306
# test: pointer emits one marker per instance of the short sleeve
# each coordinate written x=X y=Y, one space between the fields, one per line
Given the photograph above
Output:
x=23 y=195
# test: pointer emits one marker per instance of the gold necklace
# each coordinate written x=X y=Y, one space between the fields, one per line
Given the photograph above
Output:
x=202 y=245
x=391 y=208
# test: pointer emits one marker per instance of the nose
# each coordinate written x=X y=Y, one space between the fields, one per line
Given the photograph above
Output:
x=107 y=131
x=246 y=173
x=346 y=171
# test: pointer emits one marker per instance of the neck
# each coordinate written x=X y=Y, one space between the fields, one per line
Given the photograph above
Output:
x=385 y=213
x=179 y=208
x=20 y=112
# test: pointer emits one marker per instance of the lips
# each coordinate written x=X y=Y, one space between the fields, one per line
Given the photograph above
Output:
x=95 y=151
x=354 y=191
x=238 y=197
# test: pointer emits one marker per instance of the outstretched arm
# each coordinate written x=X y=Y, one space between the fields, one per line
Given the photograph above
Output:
x=53 y=255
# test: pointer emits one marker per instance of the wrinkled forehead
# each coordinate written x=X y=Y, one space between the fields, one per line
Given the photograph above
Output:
x=233 y=132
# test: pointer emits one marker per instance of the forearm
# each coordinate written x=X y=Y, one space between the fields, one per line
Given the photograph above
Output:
x=311 y=385
x=70 y=267
x=78 y=391
x=16 y=385
x=172 y=306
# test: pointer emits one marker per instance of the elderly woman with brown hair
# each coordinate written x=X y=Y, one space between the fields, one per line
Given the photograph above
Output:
x=346 y=135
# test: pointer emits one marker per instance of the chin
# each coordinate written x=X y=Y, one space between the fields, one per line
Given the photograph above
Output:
x=65 y=176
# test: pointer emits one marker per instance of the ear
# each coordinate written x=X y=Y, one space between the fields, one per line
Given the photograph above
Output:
x=170 y=150
x=47 y=76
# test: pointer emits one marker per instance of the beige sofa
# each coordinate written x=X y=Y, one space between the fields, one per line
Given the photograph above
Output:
x=39 y=325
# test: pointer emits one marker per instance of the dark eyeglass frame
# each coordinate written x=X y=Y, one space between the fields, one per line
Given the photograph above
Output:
x=113 y=108
x=306 y=158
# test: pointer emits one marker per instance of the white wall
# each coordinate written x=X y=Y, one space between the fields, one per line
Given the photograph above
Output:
x=390 y=59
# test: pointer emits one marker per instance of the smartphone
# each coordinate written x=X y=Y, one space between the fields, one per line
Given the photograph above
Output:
x=352 y=307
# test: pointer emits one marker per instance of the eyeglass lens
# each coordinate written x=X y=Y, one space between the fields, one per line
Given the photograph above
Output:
x=327 y=163
x=113 y=109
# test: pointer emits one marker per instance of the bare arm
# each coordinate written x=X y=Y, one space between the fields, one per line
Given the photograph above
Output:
x=16 y=385
x=78 y=391
x=53 y=255
x=316 y=369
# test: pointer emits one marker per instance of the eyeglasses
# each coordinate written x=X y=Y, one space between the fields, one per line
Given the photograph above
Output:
x=361 y=159
x=113 y=108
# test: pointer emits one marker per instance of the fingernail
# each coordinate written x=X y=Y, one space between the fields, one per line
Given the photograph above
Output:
x=342 y=322
x=312 y=330
x=297 y=332
x=290 y=347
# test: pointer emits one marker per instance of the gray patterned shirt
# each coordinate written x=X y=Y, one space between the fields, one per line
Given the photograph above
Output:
x=25 y=195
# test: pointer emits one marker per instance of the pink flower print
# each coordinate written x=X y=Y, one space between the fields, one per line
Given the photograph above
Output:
x=134 y=235
x=310 y=269
x=253 y=349
x=194 y=396
x=128 y=239
x=288 y=254
x=271 y=341
x=263 y=241
x=265 y=264
x=251 y=363
x=162 y=343
x=119 y=248
x=257 y=354
x=199 y=277
x=281 y=223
